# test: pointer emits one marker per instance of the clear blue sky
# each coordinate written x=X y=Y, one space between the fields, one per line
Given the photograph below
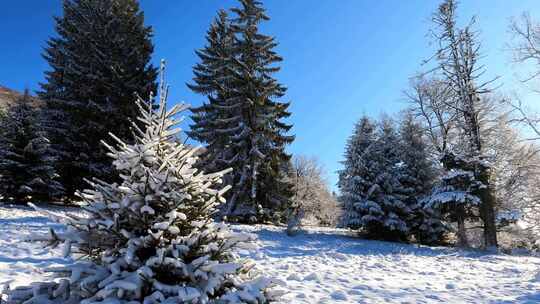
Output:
x=341 y=58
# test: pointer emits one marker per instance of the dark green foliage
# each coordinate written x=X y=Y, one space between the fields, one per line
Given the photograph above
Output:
x=242 y=121
x=376 y=201
x=216 y=121
x=417 y=175
x=98 y=62
x=26 y=163
x=386 y=178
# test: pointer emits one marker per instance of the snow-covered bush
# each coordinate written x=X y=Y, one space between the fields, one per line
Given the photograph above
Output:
x=151 y=239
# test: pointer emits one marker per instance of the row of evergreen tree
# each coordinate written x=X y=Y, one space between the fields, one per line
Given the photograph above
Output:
x=398 y=185
x=388 y=173
x=100 y=61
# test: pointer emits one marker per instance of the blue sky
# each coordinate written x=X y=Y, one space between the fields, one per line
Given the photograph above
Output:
x=341 y=58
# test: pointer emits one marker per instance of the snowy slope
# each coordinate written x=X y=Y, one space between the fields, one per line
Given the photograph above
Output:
x=22 y=262
x=321 y=267
x=326 y=266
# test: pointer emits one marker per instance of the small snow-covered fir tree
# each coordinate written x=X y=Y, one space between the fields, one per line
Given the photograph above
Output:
x=151 y=238
x=417 y=174
x=26 y=161
x=375 y=200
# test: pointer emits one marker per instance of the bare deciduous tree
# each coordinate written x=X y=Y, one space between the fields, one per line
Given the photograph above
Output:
x=431 y=100
x=527 y=46
x=312 y=200
x=455 y=106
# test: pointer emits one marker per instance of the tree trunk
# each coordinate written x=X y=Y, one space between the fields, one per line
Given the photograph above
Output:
x=231 y=206
x=487 y=210
x=462 y=232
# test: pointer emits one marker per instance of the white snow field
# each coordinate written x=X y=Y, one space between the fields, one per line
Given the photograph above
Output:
x=324 y=266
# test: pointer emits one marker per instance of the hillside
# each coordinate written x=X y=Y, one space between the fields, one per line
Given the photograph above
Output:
x=8 y=97
x=324 y=266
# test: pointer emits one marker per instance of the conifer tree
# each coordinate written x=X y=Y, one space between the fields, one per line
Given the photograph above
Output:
x=372 y=192
x=388 y=190
x=26 y=161
x=216 y=121
x=151 y=239
x=247 y=113
x=458 y=60
x=98 y=61
x=417 y=175
x=456 y=197
x=354 y=179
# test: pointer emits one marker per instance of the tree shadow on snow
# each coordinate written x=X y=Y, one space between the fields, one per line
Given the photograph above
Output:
x=277 y=244
x=30 y=222
x=524 y=299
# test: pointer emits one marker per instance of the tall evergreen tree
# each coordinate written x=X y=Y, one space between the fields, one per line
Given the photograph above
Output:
x=354 y=179
x=458 y=60
x=26 y=161
x=98 y=62
x=417 y=174
x=216 y=121
x=243 y=120
x=371 y=189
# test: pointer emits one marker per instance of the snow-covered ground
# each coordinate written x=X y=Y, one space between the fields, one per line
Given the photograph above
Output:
x=325 y=266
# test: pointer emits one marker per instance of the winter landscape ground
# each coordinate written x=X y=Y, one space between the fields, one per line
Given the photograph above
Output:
x=323 y=266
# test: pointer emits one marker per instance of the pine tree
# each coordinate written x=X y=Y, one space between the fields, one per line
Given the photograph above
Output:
x=98 y=61
x=151 y=239
x=417 y=175
x=456 y=195
x=354 y=179
x=26 y=161
x=243 y=120
x=371 y=191
x=216 y=121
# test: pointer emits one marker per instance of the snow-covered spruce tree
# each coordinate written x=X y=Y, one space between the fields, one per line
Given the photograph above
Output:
x=417 y=175
x=355 y=177
x=152 y=239
x=375 y=200
x=389 y=192
x=99 y=59
x=242 y=122
x=456 y=196
x=26 y=161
